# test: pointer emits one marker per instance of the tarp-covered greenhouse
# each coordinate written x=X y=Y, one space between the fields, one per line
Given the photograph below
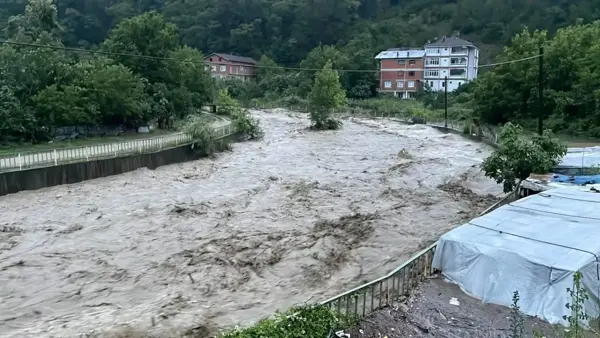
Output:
x=533 y=245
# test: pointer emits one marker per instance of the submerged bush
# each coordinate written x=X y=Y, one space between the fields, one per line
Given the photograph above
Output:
x=322 y=120
x=204 y=138
x=298 y=322
x=247 y=125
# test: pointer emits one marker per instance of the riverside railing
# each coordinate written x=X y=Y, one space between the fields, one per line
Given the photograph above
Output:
x=28 y=160
x=396 y=286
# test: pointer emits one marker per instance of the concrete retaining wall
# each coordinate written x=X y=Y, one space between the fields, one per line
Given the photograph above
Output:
x=37 y=178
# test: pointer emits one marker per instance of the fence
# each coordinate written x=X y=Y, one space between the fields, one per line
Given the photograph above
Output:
x=394 y=287
x=22 y=161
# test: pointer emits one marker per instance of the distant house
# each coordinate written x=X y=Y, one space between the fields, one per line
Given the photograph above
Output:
x=452 y=57
x=401 y=71
x=228 y=66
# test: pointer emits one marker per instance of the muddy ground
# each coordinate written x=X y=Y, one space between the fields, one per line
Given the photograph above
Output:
x=429 y=313
x=297 y=217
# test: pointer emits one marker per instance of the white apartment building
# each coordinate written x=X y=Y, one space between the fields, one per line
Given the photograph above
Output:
x=450 y=57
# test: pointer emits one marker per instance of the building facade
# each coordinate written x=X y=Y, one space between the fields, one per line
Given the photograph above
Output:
x=401 y=71
x=227 y=66
x=452 y=57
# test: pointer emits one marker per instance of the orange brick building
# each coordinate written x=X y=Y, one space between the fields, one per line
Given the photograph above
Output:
x=401 y=71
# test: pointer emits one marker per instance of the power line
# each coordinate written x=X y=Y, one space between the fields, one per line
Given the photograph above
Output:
x=81 y=50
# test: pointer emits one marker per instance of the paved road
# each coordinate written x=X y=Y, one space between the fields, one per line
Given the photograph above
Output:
x=57 y=156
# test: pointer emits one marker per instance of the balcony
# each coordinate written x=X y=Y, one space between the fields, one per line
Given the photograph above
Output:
x=458 y=73
x=458 y=62
x=459 y=51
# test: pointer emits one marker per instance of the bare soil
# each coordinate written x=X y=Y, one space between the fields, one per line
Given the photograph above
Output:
x=195 y=247
x=428 y=313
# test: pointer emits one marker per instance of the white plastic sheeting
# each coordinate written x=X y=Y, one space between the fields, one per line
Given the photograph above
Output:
x=581 y=158
x=534 y=246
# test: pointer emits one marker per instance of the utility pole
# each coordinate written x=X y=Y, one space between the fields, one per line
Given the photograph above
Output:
x=445 y=102
x=541 y=92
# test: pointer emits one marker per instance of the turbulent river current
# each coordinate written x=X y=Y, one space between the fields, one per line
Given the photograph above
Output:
x=195 y=247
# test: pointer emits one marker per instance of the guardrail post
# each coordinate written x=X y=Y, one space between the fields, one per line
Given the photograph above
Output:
x=19 y=161
x=55 y=157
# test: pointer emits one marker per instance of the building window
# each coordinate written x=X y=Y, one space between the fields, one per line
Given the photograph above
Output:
x=401 y=62
x=431 y=84
x=412 y=62
x=411 y=73
x=213 y=68
x=411 y=84
x=399 y=84
x=223 y=68
x=432 y=61
x=432 y=73
x=458 y=61
x=387 y=84
x=459 y=83
x=459 y=50
x=444 y=84
x=457 y=72
x=400 y=74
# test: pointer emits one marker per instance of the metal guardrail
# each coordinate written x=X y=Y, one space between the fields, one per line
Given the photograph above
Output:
x=28 y=160
x=391 y=289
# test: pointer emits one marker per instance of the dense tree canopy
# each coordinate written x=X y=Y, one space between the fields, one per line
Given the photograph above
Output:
x=304 y=33
x=44 y=88
x=571 y=80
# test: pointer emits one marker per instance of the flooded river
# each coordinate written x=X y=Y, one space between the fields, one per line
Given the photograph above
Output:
x=299 y=216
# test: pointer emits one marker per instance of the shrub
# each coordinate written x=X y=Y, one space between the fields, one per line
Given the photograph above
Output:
x=204 y=139
x=298 y=322
x=247 y=125
x=293 y=101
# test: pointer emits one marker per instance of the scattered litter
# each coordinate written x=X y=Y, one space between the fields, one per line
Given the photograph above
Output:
x=342 y=334
x=454 y=301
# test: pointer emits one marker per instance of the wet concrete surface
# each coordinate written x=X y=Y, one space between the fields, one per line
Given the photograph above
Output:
x=297 y=217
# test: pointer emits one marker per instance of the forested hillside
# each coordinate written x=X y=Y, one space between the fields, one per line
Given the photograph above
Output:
x=42 y=89
x=287 y=30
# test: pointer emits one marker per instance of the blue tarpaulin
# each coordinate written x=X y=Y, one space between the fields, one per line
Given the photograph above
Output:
x=577 y=179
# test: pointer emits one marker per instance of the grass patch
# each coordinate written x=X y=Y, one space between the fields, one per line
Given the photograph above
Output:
x=298 y=322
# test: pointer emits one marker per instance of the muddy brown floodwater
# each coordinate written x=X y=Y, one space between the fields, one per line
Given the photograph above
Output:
x=296 y=217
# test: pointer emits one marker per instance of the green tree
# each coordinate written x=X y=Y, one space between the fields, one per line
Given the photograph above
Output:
x=517 y=157
x=317 y=59
x=326 y=95
x=147 y=36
